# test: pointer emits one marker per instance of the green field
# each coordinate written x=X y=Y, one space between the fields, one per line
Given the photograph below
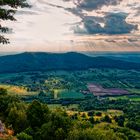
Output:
x=131 y=98
x=134 y=91
x=70 y=94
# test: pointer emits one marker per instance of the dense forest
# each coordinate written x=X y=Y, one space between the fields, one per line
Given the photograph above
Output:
x=28 y=121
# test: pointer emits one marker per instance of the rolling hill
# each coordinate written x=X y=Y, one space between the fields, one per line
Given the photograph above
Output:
x=39 y=61
x=124 y=56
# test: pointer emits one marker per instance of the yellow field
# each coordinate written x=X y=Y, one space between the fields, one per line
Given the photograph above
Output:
x=16 y=90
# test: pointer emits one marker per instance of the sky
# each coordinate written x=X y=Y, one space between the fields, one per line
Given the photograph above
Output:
x=75 y=25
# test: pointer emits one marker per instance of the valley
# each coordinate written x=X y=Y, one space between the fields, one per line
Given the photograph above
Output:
x=58 y=86
x=70 y=70
x=97 y=101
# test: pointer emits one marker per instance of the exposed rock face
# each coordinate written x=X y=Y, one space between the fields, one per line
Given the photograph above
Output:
x=6 y=134
x=2 y=128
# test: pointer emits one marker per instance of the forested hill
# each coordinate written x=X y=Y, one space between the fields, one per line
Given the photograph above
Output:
x=58 y=61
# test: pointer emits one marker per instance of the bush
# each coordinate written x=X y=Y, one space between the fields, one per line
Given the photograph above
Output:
x=133 y=125
x=107 y=119
x=98 y=114
x=3 y=91
x=24 y=136
x=90 y=113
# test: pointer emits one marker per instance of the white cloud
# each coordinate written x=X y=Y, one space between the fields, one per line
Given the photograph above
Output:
x=46 y=27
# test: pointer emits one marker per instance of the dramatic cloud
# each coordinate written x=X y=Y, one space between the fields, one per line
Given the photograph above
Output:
x=112 y=23
x=73 y=25
x=116 y=24
x=90 y=5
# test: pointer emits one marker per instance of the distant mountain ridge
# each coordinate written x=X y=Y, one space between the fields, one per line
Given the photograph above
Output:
x=124 y=56
x=39 y=61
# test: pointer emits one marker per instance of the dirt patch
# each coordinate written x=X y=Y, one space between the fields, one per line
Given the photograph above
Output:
x=98 y=90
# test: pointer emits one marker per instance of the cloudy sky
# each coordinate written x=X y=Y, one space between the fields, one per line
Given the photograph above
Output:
x=76 y=25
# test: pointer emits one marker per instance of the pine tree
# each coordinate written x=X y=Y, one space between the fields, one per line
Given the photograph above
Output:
x=7 y=11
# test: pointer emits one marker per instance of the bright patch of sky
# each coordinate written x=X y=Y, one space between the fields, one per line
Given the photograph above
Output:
x=48 y=26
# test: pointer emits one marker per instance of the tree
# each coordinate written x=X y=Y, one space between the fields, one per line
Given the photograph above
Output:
x=17 y=116
x=8 y=14
x=120 y=120
x=91 y=119
x=37 y=114
x=107 y=119
x=90 y=113
x=98 y=114
x=92 y=134
x=57 y=128
x=84 y=115
x=5 y=101
x=60 y=134
x=24 y=136
x=3 y=91
x=41 y=94
x=133 y=125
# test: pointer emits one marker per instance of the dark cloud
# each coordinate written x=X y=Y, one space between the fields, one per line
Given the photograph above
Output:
x=75 y=11
x=110 y=40
x=114 y=23
x=132 y=40
x=90 y=5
